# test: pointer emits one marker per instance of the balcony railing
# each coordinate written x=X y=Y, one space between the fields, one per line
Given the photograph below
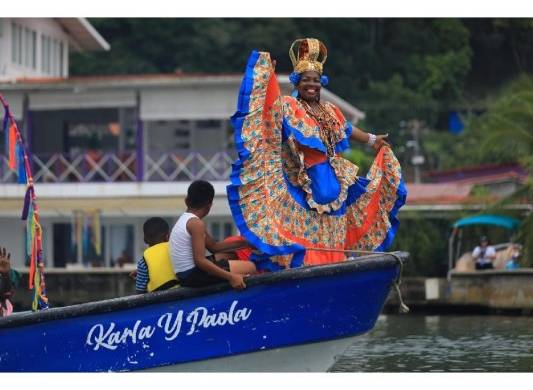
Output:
x=114 y=167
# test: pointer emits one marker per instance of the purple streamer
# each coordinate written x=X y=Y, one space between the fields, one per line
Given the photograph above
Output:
x=5 y=129
x=27 y=200
x=139 y=149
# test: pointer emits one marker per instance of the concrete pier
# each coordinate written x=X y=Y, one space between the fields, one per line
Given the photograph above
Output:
x=488 y=291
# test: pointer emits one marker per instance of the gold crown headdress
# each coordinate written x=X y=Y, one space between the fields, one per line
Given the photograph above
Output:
x=308 y=54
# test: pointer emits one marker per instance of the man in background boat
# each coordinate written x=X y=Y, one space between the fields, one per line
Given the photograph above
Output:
x=154 y=270
x=189 y=241
x=484 y=254
x=9 y=280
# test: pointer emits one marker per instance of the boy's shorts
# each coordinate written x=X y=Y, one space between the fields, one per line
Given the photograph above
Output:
x=196 y=277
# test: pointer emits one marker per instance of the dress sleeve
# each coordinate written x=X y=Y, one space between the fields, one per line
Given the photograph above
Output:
x=258 y=106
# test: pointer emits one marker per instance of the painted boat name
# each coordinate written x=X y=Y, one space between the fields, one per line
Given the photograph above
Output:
x=109 y=337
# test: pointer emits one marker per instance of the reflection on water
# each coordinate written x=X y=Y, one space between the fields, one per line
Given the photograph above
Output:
x=416 y=343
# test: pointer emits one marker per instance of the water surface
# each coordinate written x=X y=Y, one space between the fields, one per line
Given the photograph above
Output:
x=418 y=343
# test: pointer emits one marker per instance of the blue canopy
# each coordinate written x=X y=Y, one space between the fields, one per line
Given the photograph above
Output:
x=498 y=220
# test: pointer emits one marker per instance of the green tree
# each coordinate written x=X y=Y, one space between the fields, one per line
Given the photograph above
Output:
x=428 y=61
x=505 y=133
x=426 y=241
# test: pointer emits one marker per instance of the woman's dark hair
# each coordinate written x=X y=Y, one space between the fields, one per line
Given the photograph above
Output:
x=155 y=230
x=199 y=194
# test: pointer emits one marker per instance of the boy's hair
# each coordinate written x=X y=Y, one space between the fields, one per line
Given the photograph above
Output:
x=199 y=194
x=156 y=230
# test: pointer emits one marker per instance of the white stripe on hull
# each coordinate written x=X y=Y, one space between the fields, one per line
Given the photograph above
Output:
x=313 y=357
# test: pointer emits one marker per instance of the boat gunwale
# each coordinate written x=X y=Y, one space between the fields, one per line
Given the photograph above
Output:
x=363 y=263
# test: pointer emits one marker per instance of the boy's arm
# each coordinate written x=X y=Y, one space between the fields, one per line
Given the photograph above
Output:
x=214 y=246
x=141 y=281
x=196 y=229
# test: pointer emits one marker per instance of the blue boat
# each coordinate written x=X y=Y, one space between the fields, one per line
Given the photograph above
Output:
x=294 y=320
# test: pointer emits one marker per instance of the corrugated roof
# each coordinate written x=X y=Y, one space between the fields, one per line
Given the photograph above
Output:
x=438 y=193
x=485 y=173
x=162 y=80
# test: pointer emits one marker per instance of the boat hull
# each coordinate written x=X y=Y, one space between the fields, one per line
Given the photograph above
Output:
x=178 y=327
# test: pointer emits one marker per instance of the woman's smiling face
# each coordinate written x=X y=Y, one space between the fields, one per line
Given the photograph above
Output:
x=309 y=86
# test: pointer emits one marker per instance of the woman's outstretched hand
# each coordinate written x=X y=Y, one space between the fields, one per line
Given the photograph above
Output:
x=380 y=142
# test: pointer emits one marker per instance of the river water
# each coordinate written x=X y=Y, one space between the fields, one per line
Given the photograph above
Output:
x=418 y=343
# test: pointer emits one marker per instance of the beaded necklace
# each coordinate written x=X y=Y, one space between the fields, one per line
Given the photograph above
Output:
x=327 y=124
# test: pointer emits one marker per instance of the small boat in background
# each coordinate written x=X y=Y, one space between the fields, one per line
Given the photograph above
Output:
x=294 y=320
x=464 y=262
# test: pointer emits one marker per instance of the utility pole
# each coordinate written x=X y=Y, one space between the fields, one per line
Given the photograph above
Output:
x=418 y=158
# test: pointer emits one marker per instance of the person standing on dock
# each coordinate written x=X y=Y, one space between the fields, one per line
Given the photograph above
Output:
x=484 y=254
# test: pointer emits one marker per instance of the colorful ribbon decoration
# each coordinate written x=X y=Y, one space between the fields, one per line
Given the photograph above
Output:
x=18 y=159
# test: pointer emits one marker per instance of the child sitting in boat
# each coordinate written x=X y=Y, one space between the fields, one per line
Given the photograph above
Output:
x=9 y=279
x=154 y=270
x=189 y=241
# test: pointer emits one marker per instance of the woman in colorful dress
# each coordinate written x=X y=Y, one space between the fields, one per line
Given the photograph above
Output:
x=292 y=194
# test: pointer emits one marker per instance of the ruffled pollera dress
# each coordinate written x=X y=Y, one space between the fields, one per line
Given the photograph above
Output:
x=287 y=194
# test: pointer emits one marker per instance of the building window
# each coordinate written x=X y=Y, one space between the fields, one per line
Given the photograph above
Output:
x=46 y=54
x=84 y=137
x=220 y=230
x=207 y=136
x=34 y=50
x=55 y=58
x=28 y=50
x=43 y=44
x=61 y=59
x=23 y=46
x=63 y=248
x=122 y=237
x=128 y=126
x=52 y=56
x=16 y=44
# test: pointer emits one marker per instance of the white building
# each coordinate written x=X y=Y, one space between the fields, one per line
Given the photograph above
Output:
x=127 y=146
x=33 y=47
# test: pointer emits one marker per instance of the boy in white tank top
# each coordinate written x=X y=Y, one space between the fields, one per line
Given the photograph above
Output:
x=189 y=240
